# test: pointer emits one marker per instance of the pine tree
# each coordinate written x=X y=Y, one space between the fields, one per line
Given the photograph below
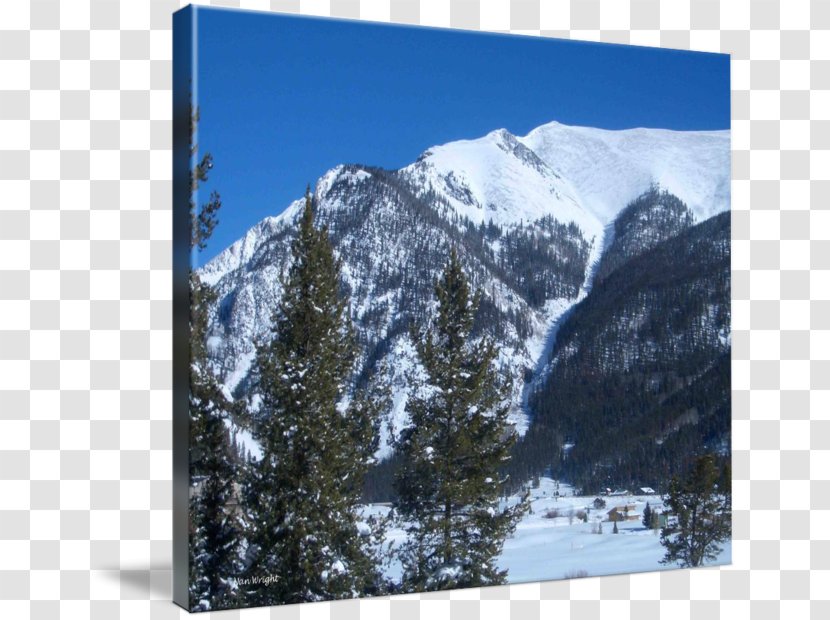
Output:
x=647 y=514
x=306 y=535
x=703 y=512
x=214 y=531
x=458 y=438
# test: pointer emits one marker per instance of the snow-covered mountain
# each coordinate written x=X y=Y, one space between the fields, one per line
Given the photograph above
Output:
x=609 y=169
x=498 y=178
x=528 y=216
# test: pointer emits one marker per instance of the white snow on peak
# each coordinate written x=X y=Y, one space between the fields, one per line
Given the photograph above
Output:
x=338 y=173
x=576 y=174
x=242 y=250
x=498 y=178
x=325 y=182
x=610 y=168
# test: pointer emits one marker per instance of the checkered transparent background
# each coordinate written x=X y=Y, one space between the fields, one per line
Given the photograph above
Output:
x=85 y=309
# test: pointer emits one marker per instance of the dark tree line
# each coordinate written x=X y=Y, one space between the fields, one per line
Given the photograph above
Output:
x=547 y=260
x=641 y=370
x=653 y=217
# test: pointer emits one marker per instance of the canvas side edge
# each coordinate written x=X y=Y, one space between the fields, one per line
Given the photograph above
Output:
x=183 y=65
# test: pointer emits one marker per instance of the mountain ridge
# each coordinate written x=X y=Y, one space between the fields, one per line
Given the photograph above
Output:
x=522 y=226
x=547 y=139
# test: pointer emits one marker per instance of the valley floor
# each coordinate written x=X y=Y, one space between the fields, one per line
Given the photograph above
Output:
x=544 y=548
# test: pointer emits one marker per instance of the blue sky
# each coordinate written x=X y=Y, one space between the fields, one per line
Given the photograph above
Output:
x=283 y=98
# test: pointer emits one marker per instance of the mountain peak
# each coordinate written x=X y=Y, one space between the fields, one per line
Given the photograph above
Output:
x=497 y=178
x=501 y=135
x=342 y=173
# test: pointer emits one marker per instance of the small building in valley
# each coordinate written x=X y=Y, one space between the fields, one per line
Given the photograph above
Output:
x=626 y=512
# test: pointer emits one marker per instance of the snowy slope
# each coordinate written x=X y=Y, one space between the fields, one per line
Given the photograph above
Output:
x=608 y=168
x=240 y=252
x=497 y=178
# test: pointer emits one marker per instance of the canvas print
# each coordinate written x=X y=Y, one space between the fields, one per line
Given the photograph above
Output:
x=452 y=309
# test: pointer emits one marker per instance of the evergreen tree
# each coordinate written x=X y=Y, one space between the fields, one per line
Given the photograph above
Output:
x=703 y=512
x=647 y=514
x=214 y=530
x=458 y=437
x=307 y=539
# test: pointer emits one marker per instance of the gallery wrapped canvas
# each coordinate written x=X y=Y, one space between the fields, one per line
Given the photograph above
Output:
x=452 y=309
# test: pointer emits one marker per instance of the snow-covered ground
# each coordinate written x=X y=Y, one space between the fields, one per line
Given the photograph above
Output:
x=543 y=548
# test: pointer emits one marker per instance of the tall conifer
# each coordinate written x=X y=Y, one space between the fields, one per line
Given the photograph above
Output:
x=214 y=528
x=701 y=506
x=453 y=448
x=308 y=540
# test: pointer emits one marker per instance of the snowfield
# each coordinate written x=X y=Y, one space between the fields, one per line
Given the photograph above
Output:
x=497 y=178
x=609 y=168
x=543 y=549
